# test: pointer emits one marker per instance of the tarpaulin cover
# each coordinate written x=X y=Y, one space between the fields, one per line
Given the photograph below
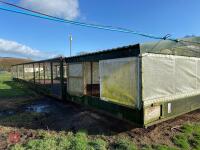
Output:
x=167 y=75
x=119 y=80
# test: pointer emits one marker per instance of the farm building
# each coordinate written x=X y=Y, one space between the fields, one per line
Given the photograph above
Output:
x=130 y=83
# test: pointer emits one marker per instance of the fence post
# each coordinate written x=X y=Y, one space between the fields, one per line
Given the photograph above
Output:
x=91 y=73
x=33 y=73
x=23 y=72
x=44 y=71
x=51 y=74
x=62 y=79
x=17 y=72
x=39 y=73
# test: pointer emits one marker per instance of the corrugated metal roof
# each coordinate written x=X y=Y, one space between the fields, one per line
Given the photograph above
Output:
x=102 y=52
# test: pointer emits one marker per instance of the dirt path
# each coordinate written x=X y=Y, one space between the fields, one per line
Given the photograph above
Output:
x=48 y=114
x=162 y=133
x=25 y=112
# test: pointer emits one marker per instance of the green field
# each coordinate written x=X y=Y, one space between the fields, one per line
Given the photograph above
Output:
x=10 y=89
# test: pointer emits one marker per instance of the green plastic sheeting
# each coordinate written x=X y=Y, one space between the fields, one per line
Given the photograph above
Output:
x=119 y=80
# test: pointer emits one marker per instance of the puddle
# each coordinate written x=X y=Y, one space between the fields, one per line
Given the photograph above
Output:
x=39 y=108
x=6 y=113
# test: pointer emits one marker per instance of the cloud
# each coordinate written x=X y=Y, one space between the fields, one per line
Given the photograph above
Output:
x=67 y=9
x=12 y=47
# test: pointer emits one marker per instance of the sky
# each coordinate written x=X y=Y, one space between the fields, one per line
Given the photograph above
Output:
x=29 y=37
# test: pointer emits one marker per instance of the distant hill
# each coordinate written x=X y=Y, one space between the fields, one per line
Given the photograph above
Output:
x=7 y=62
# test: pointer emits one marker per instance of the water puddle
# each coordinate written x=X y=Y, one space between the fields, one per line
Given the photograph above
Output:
x=6 y=113
x=39 y=108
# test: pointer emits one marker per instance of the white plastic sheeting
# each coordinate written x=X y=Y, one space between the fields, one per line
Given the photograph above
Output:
x=95 y=69
x=167 y=77
x=119 y=80
x=87 y=73
x=76 y=70
x=75 y=79
x=20 y=72
x=28 y=72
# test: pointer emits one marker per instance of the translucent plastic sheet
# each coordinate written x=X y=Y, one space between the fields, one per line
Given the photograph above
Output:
x=87 y=73
x=167 y=75
x=157 y=76
x=47 y=71
x=20 y=72
x=28 y=72
x=75 y=86
x=14 y=71
x=75 y=79
x=95 y=72
x=185 y=74
x=75 y=70
x=119 y=80
x=37 y=72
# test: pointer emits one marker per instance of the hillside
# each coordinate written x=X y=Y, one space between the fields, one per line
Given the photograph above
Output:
x=7 y=62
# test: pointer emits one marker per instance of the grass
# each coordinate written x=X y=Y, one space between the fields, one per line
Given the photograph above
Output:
x=10 y=89
x=99 y=144
x=50 y=143
x=23 y=119
x=189 y=138
x=123 y=143
x=158 y=147
x=70 y=141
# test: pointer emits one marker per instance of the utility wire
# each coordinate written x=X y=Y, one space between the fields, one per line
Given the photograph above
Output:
x=157 y=43
x=103 y=27
x=111 y=28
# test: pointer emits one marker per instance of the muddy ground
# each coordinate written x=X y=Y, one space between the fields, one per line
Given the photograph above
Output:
x=25 y=115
